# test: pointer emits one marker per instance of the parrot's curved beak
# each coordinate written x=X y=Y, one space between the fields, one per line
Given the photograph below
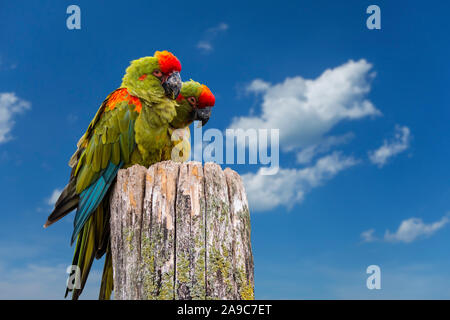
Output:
x=202 y=115
x=172 y=86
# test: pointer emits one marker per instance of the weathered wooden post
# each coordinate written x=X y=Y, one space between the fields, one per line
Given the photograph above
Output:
x=181 y=231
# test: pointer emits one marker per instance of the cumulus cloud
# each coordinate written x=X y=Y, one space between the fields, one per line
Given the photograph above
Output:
x=414 y=228
x=398 y=144
x=288 y=186
x=258 y=86
x=409 y=230
x=206 y=44
x=367 y=236
x=305 y=110
x=307 y=154
x=54 y=197
x=10 y=105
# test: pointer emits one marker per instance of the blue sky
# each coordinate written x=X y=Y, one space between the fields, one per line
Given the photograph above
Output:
x=362 y=114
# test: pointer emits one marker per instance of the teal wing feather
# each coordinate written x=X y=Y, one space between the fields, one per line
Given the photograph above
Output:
x=108 y=150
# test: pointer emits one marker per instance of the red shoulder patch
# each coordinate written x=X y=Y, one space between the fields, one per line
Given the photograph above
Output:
x=123 y=95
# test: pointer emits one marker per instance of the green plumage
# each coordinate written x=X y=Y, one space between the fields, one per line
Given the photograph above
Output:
x=134 y=125
x=184 y=114
x=130 y=127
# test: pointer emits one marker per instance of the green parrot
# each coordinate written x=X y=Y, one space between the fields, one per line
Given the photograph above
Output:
x=194 y=102
x=129 y=128
x=134 y=125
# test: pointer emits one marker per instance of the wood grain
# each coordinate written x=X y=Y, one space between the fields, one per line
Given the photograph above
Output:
x=181 y=231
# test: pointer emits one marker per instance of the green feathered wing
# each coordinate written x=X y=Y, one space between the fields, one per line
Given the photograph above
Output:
x=106 y=146
x=124 y=132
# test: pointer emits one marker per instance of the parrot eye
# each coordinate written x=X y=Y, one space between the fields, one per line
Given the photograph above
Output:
x=157 y=73
x=192 y=101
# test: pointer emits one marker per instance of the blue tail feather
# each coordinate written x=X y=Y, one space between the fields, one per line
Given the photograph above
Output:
x=91 y=197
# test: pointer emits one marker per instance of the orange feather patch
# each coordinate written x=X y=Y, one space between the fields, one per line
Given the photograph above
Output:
x=123 y=95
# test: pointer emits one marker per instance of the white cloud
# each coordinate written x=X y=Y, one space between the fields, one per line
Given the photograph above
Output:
x=308 y=153
x=391 y=148
x=288 y=186
x=305 y=110
x=409 y=230
x=258 y=86
x=414 y=228
x=10 y=105
x=367 y=236
x=206 y=43
x=54 y=197
x=220 y=27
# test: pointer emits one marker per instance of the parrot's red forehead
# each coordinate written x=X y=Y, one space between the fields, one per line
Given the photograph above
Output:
x=168 y=62
x=206 y=98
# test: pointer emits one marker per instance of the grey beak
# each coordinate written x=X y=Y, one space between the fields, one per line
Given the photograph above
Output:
x=172 y=86
x=202 y=115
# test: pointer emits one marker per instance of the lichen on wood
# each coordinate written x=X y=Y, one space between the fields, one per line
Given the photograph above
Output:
x=181 y=231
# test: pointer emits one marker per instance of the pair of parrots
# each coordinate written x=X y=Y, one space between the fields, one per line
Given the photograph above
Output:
x=132 y=126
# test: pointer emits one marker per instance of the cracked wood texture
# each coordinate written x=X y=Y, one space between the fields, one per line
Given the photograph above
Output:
x=181 y=231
